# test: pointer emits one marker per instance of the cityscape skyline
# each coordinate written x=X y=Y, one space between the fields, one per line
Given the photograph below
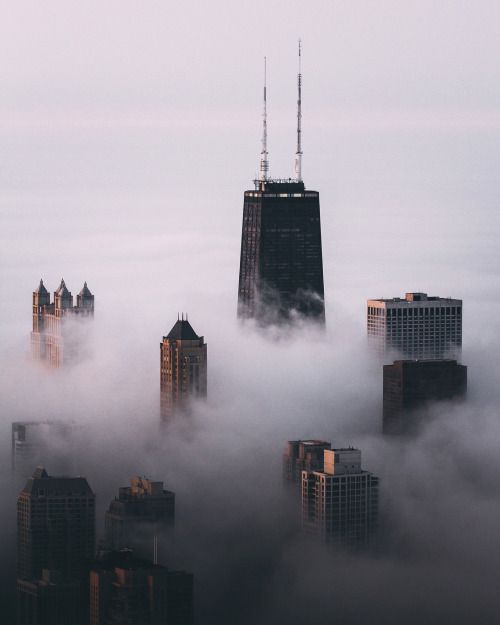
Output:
x=117 y=126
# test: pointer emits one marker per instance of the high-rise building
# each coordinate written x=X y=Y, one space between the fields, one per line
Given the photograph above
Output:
x=183 y=368
x=55 y=543
x=417 y=326
x=340 y=503
x=303 y=456
x=141 y=511
x=126 y=589
x=412 y=384
x=51 y=340
x=281 y=263
x=55 y=525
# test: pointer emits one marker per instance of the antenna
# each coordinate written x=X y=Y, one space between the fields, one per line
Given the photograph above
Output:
x=298 y=153
x=264 y=162
x=155 y=549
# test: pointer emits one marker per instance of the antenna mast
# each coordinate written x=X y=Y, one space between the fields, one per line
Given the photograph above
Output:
x=264 y=162
x=298 y=153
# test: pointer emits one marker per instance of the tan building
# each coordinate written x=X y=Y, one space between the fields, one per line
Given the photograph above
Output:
x=51 y=340
x=183 y=368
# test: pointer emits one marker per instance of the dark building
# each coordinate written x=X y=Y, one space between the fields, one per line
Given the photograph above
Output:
x=183 y=369
x=340 y=502
x=411 y=384
x=55 y=543
x=127 y=590
x=281 y=264
x=140 y=512
x=303 y=456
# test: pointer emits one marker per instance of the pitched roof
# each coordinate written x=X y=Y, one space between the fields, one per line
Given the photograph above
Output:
x=41 y=290
x=85 y=292
x=183 y=331
x=62 y=290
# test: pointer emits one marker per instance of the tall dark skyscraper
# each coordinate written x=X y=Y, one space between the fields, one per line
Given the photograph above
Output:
x=412 y=384
x=281 y=264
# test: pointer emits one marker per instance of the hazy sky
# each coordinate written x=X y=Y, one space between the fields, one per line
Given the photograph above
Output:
x=128 y=133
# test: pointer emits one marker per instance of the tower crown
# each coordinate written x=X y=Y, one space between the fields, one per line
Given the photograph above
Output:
x=182 y=331
x=41 y=290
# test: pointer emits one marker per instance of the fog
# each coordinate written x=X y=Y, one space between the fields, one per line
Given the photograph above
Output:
x=129 y=134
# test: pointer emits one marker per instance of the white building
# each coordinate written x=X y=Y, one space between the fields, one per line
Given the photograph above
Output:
x=417 y=326
x=340 y=503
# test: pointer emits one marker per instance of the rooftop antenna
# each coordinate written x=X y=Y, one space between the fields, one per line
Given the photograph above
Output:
x=298 y=153
x=155 y=550
x=264 y=162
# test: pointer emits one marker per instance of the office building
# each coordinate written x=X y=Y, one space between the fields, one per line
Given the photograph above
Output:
x=417 y=326
x=303 y=456
x=183 y=369
x=126 y=589
x=281 y=263
x=410 y=385
x=54 y=340
x=140 y=512
x=340 y=503
x=50 y=600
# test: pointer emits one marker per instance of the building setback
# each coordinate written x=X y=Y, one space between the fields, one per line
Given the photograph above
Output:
x=183 y=369
x=303 y=456
x=412 y=384
x=340 y=503
x=140 y=512
x=126 y=589
x=51 y=340
x=417 y=326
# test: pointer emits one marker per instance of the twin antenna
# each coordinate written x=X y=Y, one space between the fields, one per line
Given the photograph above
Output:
x=264 y=155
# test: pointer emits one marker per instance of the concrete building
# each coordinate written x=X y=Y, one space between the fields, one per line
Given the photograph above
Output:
x=281 y=261
x=417 y=326
x=183 y=369
x=52 y=341
x=140 y=512
x=410 y=385
x=55 y=543
x=126 y=589
x=340 y=503
x=303 y=456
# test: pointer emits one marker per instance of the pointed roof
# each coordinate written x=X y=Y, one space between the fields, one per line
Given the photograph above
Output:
x=62 y=290
x=182 y=331
x=41 y=290
x=85 y=292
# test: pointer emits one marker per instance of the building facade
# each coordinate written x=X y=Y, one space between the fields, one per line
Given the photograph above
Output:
x=417 y=326
x=51 y=340
x=140 y=512
x=281 y=263
x=340 y=503
x=126 y=589
x=183 y=369
x=410 y=385
x=50 y=600
x=301 y=456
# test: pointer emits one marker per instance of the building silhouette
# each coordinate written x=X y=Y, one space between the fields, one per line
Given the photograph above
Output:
x=340 y=503
x=51 y=340
x=301 y=456
x=55 y=543
x=410 y=385
x=183 y=369
x=417 y=326
x=140 y=512
x=281 y=264
x=126 y=589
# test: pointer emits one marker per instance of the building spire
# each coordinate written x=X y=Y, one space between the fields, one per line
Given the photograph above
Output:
x=264 y=162
x=298 y=153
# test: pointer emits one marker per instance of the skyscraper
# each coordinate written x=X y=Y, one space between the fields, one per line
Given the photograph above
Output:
x=183 y=368
x=412 y=384
x=126 y=589
x=417 y=326
x=281 y=264
x=51 y=340
x=140 y=511
x=55 y=542
x=340 y=503
x=303 y=456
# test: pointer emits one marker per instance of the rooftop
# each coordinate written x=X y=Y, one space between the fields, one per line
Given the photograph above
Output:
x=182 y=331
